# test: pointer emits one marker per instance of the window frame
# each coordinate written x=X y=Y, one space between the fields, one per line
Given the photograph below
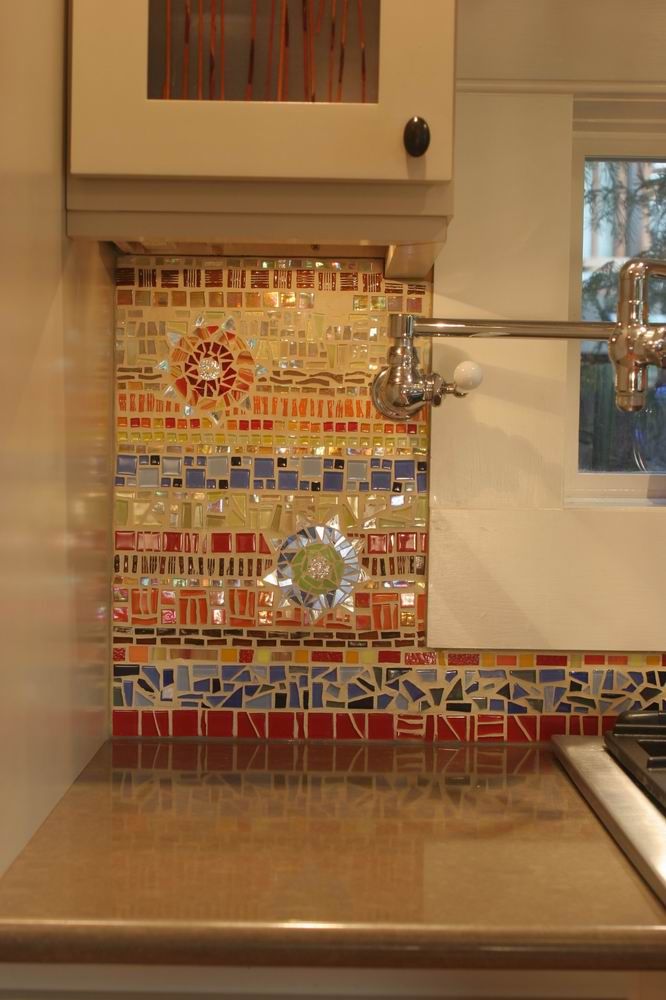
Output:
x=581 y=488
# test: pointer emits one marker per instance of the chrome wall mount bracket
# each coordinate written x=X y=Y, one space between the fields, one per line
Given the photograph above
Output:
x=402 y=388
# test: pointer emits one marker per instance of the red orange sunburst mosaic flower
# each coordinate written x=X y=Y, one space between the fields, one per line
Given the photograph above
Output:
x=212 y=367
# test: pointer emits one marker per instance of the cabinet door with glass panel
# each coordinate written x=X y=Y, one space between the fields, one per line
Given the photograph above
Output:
x=262 y=89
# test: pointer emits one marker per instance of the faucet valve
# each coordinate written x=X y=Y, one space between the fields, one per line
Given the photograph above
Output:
x=434 y=388
x=403 y=388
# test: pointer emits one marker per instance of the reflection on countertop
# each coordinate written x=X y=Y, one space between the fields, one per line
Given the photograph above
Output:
x=316 y=853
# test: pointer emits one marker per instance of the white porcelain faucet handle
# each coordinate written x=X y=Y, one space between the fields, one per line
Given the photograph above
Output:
x=467 y=376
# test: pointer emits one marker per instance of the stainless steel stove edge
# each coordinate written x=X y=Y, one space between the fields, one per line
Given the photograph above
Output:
x=631 y=818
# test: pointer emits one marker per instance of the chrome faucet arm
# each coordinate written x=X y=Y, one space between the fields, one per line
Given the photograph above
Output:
x=403 y=388
x=514 y=328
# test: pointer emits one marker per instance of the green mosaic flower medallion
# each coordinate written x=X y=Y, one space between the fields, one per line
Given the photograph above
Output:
x=317 y=569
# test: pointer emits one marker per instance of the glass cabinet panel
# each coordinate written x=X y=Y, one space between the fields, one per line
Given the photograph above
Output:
x=264 y=50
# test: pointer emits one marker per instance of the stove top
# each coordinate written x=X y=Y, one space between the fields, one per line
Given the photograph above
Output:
x=638 y=742
x=631 y=816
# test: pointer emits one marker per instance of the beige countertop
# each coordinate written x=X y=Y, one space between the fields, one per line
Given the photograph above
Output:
x=327 y=854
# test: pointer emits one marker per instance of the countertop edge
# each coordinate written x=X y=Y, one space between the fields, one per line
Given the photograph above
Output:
x=352 y=945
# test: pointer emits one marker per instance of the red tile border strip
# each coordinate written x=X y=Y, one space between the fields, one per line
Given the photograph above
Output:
x=345 y=726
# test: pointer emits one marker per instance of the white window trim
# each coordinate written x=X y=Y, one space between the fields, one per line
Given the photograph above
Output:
x=581 y=488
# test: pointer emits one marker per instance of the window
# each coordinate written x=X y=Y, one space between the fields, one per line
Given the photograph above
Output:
x=624 y=216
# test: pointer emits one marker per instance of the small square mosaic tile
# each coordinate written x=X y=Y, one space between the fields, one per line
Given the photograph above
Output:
x=270 y=532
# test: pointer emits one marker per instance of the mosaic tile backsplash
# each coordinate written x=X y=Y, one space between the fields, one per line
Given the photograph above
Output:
x=270 y=529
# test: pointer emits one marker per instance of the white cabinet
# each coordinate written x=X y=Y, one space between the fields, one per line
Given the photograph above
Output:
x=161 y=160
x=118 y=130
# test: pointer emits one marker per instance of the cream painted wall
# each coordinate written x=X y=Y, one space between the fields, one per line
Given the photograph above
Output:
x=605 y=45
x=56 y=311
x=532 y=570
x=507 y=255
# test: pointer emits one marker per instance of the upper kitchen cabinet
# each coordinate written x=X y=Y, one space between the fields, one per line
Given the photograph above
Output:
x=263 y=90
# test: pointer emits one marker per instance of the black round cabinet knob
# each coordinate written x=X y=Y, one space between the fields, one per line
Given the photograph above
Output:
x=416 y=136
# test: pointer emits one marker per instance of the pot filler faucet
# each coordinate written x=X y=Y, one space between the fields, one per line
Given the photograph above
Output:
x=403 y=388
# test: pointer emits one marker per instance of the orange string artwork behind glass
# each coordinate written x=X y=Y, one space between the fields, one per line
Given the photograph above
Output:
x=263 y=30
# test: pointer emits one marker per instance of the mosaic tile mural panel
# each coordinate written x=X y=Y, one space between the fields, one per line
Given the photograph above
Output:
x=270 y=529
